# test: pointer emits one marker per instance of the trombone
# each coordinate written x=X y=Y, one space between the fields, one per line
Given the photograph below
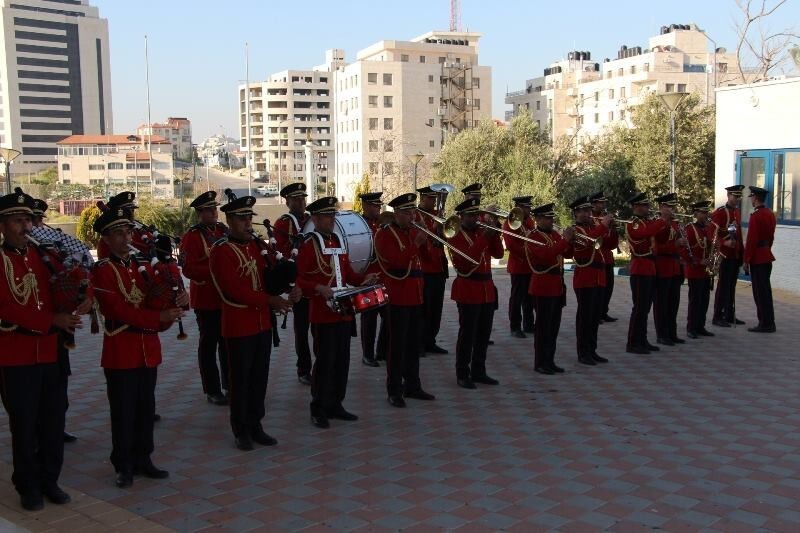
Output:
x=594 y=242
x=514 y=217
x=450 y=226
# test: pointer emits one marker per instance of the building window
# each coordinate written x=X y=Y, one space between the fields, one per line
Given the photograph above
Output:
x=430 y=99
x=611 y=94
x=669 y=87
x=622 y=114
x=387 y=101
x=611 y=116
x=430 y=78
x=620 y=71
x=430 y=122
x=681 y=87
x=476 y=103
x=97 y=167
x=373 y=167
x=115 y=166
x=65 y=166
x=538 y=124
x=373 y=100
x=372 y=78
x=421 y=59
x=442 y=59
x=597 y=118
x=373 y=146
x=387 y=79
x=373 y=123
x=432 y=144
x=388 y=168
x=633 y=69
x=609 y=74
x=622 y=92
x=597 y=96
x=476 y=83
x=404 y=58
x=388 y=146
x=538 y=105
x=388 y=123
x=646 y=67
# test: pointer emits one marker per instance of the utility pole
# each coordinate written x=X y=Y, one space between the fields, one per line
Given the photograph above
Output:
x=247 y=120
x=149 y=122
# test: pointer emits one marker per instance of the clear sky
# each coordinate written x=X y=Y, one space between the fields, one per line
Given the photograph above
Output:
x=196 y=47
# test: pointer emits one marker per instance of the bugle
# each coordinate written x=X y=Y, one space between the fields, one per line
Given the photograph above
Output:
x=595 y=242
x=387 y=217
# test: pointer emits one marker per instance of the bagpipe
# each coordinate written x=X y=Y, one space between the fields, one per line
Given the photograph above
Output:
x=144 y=237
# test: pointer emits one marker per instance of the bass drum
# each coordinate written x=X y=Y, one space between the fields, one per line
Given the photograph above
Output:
x=355 y=236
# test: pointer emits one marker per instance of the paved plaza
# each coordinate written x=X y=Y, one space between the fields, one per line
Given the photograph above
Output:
x=701 y=436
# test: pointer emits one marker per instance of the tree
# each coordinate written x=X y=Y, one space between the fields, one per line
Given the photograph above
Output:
x=84 y=230
x=360 y=188
x=765 y=50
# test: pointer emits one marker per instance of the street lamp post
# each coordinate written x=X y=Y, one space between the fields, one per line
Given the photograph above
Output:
x=415 y=159
x=671 y=101
x=8 y=155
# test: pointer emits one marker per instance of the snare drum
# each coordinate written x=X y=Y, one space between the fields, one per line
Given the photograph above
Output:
x=355 y=237
x=354 y=300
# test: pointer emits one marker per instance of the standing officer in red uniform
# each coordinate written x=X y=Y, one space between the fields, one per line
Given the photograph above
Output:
x=371 y=207
x=697 y=255
x=195 y=250
x=474 y=294
x=322 y=266
x=520 y=303
x=758 y=258
x=589 y=280
x=131 y=347
x=668 y=246
x=287 y=227
x=141 y=238
x=640 y=233
x=475 y=191
x=238 y=264
x=728 y=219
x=31 y=386
x=547 y=286
x=434 y=273
x=610 y=243
x=399 y=247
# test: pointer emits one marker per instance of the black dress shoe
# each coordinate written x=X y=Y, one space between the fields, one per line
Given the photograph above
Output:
x=262 y=438
x=555 y=368
x=598 y=358
x=436 y=349
x=156 y=417
x=705 y=333
x=397 y=401
x=124 y=479
x=153 y=472
x=665 y=342
x=304 y=379
x=466 y=383
x=544 y=370
x=586 y=360
x=641 y=350
x=762 y=329
x=607 y=318
x=320 y=421
x=343 y=414
x=517 y=334
x=485 y=380
x=419 y=394
x=739 y=322
x=721 y=323
x=677 y=340
x=32 y=500
x=380 y=357
x=69 y=437
x=528 y=330
x=491 y=342
x=55 y=495
x=244 y=443
x=217 y=399
x=651 y=347
x=691 y=334
x=370 y=361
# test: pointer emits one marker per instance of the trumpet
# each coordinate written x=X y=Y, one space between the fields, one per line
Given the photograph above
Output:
x=450 y=225
x=594 y=242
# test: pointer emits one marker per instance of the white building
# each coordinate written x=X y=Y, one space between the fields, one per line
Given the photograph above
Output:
x=401 y=98
x=177 y=130
x=580 y=97
x=758 y=143
x=55 y=77
x=118 y=163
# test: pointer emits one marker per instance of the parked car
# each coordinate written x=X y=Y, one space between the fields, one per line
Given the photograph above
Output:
x=270 y=189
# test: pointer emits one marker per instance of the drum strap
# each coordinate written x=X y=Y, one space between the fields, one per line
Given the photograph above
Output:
x=335 y=252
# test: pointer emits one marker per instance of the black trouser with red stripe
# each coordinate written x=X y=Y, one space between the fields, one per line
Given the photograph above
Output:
x=762 y=294
x=432 y=303
x=402 y=362
x=725 y=297
x=546 y=327
x=699 y=297
x=587 y=319
x=301 y=327
x=248 y=364
x=642 y=291
x=210 y=348
x=520 y=303
x=132 y=401
x=369 y=327
x=474 y=329
x=331 y=366
x=665 y=308
x=33 y=396
x=608 y=290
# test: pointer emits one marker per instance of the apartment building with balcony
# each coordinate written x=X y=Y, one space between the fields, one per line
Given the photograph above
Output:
x=579 y=97
x=177 y=130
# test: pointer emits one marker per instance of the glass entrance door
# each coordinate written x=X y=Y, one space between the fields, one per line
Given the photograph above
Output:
x=752 y=169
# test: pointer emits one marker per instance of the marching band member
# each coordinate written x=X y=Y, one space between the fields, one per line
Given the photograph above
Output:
x=610 y=243
x=287 y=227
x=758 y=258
x=547 y=286
x=196 y=249
x=698 y=253
x=371 y=207
x=589 y=280
x=238 y=273
x=131 y=348
x=474 y=293
x=728 y=219
x=668 y=245
x=142 y=239
x=398 y=247
x=475 y=191
x=640 y=233
x=323 y=265
x=31 y=385
x=434 y=273
x=520 y=303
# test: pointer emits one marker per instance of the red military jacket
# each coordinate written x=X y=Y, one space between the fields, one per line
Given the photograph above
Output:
x=141 y=239
x=196 y=249
x=700 y=237
x=547 y=263
x=610 y=243
x=237 y=270
x=314 y=268
x=399 y=261
x=640 y=234
x=373 y=266
x=27 y=335
x=517 y=261
x=723 y=217
x=285 y=228
x=590 y=269
x=760 y=236
x=433 y=261
x=668 y=253
x=131 y=328
x=473 y=284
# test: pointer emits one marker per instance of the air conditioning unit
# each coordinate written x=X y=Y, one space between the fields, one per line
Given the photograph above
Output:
x=442 y=111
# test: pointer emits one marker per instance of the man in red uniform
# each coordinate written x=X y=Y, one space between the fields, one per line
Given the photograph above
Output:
x=758 y=258
x=399 y=247
x=640 y=233
x=728 y=219
x=668 y=246
x=520 y=303
x=697 y=256
x=475 y=191
x=371 y=208
x=238 y=264
x=287 y=228
x=195 y=250
x=322 y=267
x=474 y=294
x=131 y=347
x=434 y=273
x=547 y=286
x=31 y=386
x=589 y=280
x=141 y=237
x=610 y=243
